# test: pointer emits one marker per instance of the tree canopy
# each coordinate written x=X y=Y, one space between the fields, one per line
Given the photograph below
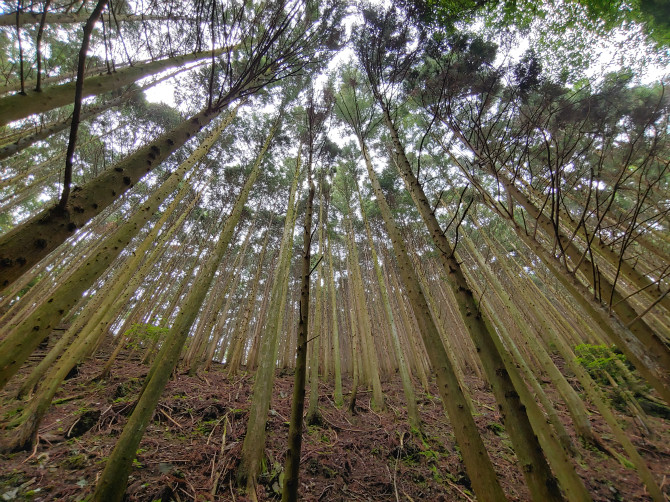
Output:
x=442 y=192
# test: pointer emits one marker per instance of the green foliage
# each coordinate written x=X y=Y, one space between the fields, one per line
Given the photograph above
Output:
x=139 y=334
x=599 y=360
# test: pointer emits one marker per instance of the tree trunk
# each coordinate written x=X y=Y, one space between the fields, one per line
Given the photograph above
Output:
x=27 y=244
x=28 y=18
x=7 y=150
x=317 y=333
x=254 y=440
x=112 y=482
x=337 y=363
x=20 y=106
x=477 y=461
x=292 y=465
x=408 y=387
x=369 y=351
x=240 y=339
x=24 y=338
x=538 y=475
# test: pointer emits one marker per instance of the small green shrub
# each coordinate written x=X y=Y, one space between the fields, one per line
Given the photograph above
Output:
x=599 y=360
x=141 y=334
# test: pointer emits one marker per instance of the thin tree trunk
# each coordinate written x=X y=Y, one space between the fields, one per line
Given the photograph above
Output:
x=317 y=332
x=408 y=387
x=254 y=440
x=292 y=465
x=337 y=363
x=7 y=150
x=368 y=347
x=78 y=97
x=240 y=338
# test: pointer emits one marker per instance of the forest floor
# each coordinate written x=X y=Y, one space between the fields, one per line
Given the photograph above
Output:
x=192 y=447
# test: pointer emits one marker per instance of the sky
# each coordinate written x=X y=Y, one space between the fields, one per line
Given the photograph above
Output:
x=609 y=56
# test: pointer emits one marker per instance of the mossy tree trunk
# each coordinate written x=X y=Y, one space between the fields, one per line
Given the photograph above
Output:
x=477 y=461
x=408 y=387
x=24 y=246
x=540 y=480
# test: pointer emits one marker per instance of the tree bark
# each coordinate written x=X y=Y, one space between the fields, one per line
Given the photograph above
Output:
x=292 y=465
x=27 y=244
x=20 y=106
x=112 y=482
x=24 y=338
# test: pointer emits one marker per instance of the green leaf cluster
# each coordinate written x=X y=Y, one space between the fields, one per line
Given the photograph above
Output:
x=598 y=360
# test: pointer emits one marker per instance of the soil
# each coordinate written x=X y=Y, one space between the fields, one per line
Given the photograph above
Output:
x=192 y=447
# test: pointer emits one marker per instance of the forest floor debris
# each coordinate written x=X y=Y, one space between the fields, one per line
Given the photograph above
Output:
x=191 y=449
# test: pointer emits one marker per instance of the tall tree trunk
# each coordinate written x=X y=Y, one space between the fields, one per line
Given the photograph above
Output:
x=317 y=333
x=254 y=440
x=112 y=482
x=408 y=387
x=23 y=339
x=538 y=475
x=477 y=461
x=644 y=360
x=252 y=359
x=20 y=144
x=292 y=465
x=20 y=106
x=602 y=286
x=28 y=18
x=240 y=338
x=369 y=351
x=27 y=244
x=215 y=322
x=535 y=301
x=337 y=363
x=78 y=98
